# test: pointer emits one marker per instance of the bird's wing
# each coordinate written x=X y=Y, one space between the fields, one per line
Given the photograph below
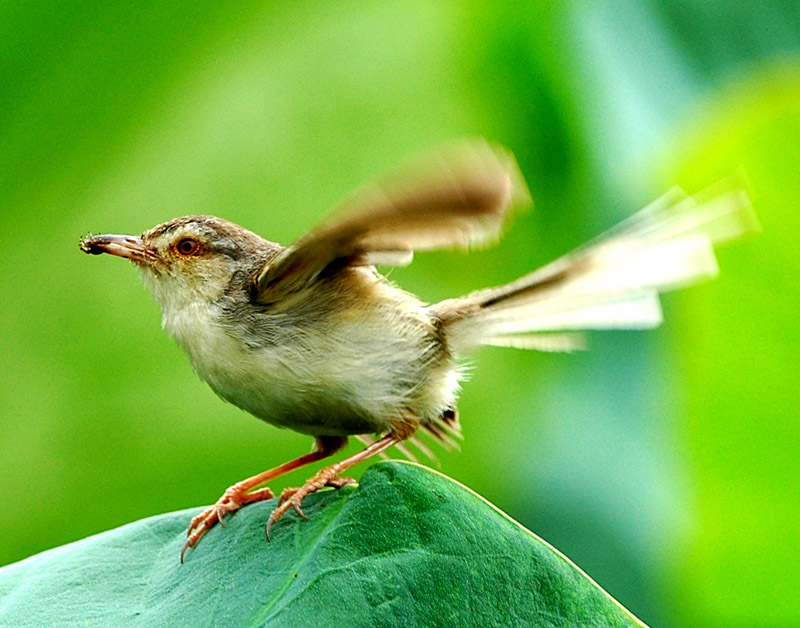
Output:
x=457 y=196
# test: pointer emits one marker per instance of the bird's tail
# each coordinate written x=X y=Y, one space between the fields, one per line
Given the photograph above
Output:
x=612 y=282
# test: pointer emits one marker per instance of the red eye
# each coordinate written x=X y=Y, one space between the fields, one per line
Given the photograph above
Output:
x=187 y=246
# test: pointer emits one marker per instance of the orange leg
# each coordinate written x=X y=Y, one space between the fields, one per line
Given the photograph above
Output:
x=329 y=476
x=242 y=493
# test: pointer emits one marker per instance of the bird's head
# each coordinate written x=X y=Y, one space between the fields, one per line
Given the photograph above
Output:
x=189 y=260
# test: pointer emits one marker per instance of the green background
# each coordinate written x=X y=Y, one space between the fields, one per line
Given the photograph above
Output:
x=664 y=463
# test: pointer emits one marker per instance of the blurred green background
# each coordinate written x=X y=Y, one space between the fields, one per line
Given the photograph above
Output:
x=665 y=463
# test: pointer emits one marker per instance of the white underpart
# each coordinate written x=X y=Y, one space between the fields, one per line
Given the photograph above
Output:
x=339 y=372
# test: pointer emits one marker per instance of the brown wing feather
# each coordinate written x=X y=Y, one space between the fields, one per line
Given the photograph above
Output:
x=458 y=196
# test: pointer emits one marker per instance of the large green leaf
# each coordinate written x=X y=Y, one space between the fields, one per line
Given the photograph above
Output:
x=408 y=547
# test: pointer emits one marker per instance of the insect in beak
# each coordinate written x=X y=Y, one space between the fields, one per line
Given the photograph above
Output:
x=129 y=247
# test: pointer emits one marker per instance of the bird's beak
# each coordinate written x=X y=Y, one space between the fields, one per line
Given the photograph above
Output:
x=129 y=247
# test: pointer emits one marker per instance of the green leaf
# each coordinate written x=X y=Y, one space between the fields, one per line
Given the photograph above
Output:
x=408 y=547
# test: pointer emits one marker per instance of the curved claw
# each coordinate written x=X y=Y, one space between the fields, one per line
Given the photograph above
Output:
x=273 y=518
x=299 y=510
x=186 y=547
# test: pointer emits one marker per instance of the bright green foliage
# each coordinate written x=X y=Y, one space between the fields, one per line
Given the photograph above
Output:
x=743 y=431
x=407 y=548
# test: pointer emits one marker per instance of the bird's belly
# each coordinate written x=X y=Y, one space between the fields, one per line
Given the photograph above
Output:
x=324 y=384
x=308 y=402
x=268 y=384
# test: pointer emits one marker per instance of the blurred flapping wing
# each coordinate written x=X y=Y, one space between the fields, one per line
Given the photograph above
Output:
x=458 y=196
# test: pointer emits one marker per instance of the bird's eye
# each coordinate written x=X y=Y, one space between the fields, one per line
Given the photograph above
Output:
x=187 y=246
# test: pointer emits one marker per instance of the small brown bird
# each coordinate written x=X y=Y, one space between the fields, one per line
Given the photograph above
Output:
x=311 y=337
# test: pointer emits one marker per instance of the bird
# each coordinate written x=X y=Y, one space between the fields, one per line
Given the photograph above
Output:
x=312 y=337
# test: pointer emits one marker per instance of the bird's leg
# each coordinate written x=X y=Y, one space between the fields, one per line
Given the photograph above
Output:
x=329 y=476
x=243 y=493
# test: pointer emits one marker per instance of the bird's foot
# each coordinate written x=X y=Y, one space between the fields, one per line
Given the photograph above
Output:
x=232 y=499
x=293 y=497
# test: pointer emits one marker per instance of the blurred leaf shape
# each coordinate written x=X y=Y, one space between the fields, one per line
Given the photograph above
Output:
x=408 y=547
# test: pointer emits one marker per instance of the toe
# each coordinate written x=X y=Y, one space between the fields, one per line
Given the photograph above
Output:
x=287 y=494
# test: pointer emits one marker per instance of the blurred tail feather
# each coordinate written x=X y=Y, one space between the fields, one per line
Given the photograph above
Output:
x=612 y=282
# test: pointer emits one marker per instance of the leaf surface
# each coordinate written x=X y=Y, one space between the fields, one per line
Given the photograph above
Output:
x=407 y=547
